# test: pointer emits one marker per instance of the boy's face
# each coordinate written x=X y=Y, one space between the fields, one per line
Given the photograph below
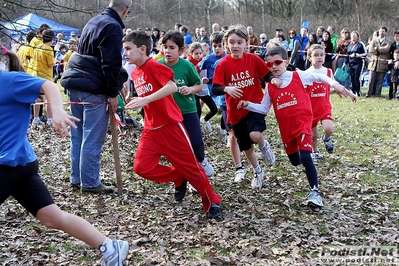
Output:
x=276 y=64
x=236 y=45
x=132 y=53
x=218 y=49
x=396 y=56
x=317 y=58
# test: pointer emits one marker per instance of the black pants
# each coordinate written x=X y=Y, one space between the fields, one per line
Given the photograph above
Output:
x=211 y=105
x=355 y=72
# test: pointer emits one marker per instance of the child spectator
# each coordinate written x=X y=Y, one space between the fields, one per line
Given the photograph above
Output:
x=25 y=51
x=293 y=112
x=19 y=176
x=189 y=83
x=45 y=61
x=320 y=99
x=237 y=76
x=59 y=68
x=164 y=133
x=203 y=95
x=394 y=67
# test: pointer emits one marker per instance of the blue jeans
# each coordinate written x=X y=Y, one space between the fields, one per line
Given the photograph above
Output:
x=89 y=137
x=192 y=124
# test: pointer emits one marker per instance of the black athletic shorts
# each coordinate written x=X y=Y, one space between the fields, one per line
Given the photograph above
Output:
x=25 y=185
x=251 y=122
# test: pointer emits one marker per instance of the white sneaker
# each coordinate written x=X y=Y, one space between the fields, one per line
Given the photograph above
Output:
x=239 y=175
x=314 y=199
x=316 y=156
x=37 y=122
x=191 y=189
x=120 y=254
x=208 y=127
x=267 y=153
x=222 y=135
x=207 y=167
x=257 y=182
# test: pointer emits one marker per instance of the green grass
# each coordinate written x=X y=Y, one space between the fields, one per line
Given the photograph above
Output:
x=359 y=184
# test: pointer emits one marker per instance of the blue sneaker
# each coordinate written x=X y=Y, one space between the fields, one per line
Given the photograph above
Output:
x=214 y=211
x=329 y=144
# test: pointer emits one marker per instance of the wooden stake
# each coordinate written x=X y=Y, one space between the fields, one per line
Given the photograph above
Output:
x=116 y=155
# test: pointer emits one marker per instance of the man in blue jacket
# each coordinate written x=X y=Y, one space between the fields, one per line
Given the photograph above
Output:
x=93 y=77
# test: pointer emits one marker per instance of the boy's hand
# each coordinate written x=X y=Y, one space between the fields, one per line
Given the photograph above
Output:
x=205 y=80
x=233 y=91
x=184 y=90
x=242 y=104
x=342 y=91
x=137 y=102
x=276 y=82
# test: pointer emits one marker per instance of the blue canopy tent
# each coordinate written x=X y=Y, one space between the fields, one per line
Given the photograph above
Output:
x=21 y=26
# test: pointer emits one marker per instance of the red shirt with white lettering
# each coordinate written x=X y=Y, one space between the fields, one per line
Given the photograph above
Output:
x=147 y=79
x=292 y=108
x=245 y=74
x=320 y=98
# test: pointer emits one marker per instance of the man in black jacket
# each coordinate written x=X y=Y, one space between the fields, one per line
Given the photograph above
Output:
x=94 y=79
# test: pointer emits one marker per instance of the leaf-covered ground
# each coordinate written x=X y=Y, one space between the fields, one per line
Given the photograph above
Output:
x=270 y=226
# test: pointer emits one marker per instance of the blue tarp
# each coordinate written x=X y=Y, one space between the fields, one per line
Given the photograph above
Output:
x=21 y=26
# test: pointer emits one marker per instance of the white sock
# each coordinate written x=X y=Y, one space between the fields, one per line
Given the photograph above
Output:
x=257 y=169
x=49 y=120
x=36 y=118
x=110 y=248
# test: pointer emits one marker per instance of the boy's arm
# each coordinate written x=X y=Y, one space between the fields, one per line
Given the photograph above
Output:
x=263 y=107
x=308 y=79
x=184 y=90
x=136 y=102
x=233 y=91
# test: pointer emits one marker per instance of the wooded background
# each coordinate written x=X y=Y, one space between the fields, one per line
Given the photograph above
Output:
x=365 y=16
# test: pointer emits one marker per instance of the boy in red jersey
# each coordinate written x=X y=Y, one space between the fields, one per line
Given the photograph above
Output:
x=164 y=133
x=293 y=110
x=237 y=76
x=320 y=99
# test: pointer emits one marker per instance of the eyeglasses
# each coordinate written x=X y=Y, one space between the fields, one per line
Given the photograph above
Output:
x=128 y=9
x=263 y=38
x=292 y=33
x=275 y=62
x=346 y=32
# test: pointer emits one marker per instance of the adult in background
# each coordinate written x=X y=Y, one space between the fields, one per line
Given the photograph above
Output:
x=356 y=51
x=186 y=35
x=263 y=43
x=378 y=65
x=252 y=40
x=99 y=52
x=319 y=32
x=203 y=37
x=155 y=36
x=215 y=27
x=328 y=49
x=342 y=45
x=299 y=60
x=333 y=37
